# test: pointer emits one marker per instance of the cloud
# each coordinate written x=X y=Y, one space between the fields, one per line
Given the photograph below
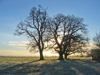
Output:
x=23 y=53
x=18 y=43
x=11 y=40
x=16 y=53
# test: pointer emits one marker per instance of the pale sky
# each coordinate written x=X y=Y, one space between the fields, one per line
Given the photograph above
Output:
x=13 y=11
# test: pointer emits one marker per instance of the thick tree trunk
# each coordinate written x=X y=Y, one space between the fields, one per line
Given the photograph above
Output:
x=60 y=56
x=41 y=55
x=65 y=55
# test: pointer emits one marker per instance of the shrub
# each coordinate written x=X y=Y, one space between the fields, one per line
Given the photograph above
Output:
x=95 y=54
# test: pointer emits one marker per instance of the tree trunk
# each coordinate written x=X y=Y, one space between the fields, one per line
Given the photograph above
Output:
x=41 y=55
x=65 y=55
x=60 y=56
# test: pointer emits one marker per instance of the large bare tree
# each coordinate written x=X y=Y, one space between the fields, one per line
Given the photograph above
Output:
x=69 y=29
x=35 y=28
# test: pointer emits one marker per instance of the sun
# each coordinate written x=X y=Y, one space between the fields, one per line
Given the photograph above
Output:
x=59 y=40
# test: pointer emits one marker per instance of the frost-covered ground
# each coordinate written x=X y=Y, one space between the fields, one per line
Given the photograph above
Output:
x=56 y=67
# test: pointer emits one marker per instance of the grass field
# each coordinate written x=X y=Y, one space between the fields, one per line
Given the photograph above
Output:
x=49 y=66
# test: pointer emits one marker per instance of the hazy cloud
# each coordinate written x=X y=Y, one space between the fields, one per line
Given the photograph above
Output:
x=23 y=53
x=16 y=53
x=18 y=44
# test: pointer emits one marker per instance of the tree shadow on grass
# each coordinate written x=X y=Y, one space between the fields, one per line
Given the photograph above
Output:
x=56 y=67
x=85 y=68
x=19 y=68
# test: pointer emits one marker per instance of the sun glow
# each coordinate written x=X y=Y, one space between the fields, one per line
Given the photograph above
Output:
x=59 y=40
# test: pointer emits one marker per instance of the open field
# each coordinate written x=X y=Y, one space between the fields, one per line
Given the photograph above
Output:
x=49 y=66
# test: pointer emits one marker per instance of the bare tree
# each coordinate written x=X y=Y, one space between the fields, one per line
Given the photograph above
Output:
x=96 y=39
x=68 y=29
x=96 y=52
x=35 y=28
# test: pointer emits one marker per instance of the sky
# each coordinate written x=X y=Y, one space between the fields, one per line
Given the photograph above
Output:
x=13 y=11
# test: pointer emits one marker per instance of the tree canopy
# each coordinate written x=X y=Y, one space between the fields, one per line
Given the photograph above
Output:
x=70 y=30
x=35 y=28
x=41 y=29
x=96 y=39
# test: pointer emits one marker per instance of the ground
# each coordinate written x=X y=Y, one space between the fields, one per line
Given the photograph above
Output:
x=50 y=66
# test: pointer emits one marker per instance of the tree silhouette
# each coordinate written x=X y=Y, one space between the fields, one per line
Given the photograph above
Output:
x=96 y=52
x=70 y=30
x=96 y=39
x=35 y=28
